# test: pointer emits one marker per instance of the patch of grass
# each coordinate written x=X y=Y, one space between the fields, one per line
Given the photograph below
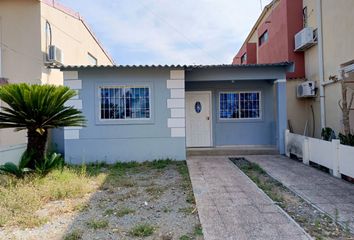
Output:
x=187 y=210
x=186 y=182
x=81 y=207
x=160 y=164
x=21 y=198
x=198 y=230
x=109 y=212
x=142 y=230
x=74 y=235
x=185 y=237
x=155 y=191
x=97 y=224
x=124 y=211
x=125 y=196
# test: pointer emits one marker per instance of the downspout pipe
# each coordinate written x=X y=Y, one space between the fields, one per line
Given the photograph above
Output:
x=321 y=63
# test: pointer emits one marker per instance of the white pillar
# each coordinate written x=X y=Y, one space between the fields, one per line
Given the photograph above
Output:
x=306 y=151
x=335 y=163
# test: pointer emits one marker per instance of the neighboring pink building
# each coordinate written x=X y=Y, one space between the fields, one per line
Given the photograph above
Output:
x=271 y=39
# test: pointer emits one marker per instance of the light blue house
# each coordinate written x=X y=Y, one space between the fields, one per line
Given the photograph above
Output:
x=138 y=113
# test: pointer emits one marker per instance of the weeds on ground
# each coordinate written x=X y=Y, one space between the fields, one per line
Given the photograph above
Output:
x=142 y=230
x=21 y=198
x=97 y=224
x=318 y=225
x=74 y=235
x=124 y=211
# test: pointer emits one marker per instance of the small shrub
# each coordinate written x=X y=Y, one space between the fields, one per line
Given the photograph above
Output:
x=142 y=230
x=49 y=163
x=328 y=134
x=74 y=235
x=346 y=140
x=20 y=170
x=97 y=224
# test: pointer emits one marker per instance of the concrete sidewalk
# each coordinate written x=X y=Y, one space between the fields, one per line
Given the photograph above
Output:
x=231 y=206
x=331 y=195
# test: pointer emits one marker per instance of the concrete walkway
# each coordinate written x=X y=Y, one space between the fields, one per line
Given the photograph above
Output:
x=329 y=194
x=231 y=206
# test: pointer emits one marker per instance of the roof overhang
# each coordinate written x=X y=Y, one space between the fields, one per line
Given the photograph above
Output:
x=288 y=66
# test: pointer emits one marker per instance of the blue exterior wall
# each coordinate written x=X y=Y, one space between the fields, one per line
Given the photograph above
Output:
x=242 y=131
x=129 y=141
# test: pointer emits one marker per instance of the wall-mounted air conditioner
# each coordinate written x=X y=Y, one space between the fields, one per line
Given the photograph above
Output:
x=306 y=89
x=305 y=39
x=55 y=55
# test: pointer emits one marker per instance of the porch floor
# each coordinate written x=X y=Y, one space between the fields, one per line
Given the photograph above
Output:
x=233 y=150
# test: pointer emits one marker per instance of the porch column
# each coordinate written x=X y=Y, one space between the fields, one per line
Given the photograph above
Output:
x=281 y=117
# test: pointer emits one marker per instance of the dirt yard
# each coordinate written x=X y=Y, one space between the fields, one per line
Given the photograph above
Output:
x=124 y=201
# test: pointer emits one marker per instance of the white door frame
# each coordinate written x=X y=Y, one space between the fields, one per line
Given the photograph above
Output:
x=210 y=113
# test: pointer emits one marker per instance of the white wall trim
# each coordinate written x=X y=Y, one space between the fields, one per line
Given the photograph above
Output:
x=177 y=74
x=175 y=84
x=175 y=103
x=76 y=103
x=73 y=84
x=176 y=123
x=177 y=93
x=178 y=113
x=70 y=75
x=178 y=132
x=71 y=134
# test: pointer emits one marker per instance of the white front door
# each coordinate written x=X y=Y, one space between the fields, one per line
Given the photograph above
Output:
x=198 y=119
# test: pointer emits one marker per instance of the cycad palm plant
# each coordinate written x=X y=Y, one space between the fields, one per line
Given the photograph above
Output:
x=37 y=108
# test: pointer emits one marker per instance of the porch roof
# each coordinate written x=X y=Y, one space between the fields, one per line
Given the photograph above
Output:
x=288 y=65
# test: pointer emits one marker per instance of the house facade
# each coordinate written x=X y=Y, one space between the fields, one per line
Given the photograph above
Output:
x=27 y=29
x=272 y=39
x=138 y=113
x=323 y=60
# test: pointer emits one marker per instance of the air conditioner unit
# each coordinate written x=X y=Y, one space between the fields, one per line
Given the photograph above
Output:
x=305 y=39
x=306 y=89
x=55 y=55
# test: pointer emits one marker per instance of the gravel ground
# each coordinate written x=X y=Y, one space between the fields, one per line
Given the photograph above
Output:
x=314 y=222
x=157 y=200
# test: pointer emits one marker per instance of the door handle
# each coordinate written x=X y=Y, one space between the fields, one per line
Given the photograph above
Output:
x=208 y=118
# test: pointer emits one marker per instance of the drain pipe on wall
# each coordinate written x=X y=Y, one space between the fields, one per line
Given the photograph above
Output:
x=321 y=63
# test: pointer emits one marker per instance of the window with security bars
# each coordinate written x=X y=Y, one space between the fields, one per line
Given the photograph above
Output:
x=125 y=102
x=240 y=105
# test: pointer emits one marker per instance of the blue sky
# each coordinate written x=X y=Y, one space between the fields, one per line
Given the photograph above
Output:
x=170 y=32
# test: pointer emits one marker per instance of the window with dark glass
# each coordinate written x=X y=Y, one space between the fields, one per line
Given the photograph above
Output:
x=125 y=102
x=244 y=58
x=240 y=105
x=263 y=38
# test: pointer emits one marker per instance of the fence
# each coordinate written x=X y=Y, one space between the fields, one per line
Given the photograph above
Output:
x=338 y=158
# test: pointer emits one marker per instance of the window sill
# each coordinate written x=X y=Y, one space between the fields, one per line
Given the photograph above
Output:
x=125 y=122
x=240 y=120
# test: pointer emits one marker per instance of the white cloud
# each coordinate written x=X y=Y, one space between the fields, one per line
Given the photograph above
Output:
x=166 y=31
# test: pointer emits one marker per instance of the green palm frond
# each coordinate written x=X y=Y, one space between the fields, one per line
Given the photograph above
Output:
x=37 y=107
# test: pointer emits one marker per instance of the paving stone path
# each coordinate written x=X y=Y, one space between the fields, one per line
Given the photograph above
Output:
x=231 y=206
x=329 y=194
